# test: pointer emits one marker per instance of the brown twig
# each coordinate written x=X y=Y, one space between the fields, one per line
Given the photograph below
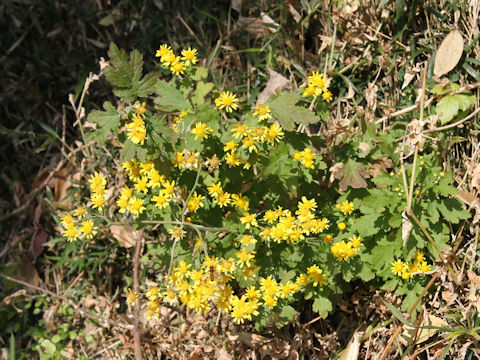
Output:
x=136 y=309
x=427 y=103
x=103 y=322
x=399 y=327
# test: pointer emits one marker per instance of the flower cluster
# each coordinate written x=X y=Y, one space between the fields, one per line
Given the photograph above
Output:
x=97 y=190
x=407 y=270
x=137 y=133
x=177 y=64
x=346 y=250
x=307 y=157
x=146 y=180
x=286 y=227
x=75 y=228
x=318 y=85
x=209 y=285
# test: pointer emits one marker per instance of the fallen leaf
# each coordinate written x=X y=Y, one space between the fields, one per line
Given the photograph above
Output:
x=474 y=278
x=276 y=82
x=422 y=335
x=448 y=54
x=353 y=347
x=38 y=240
x=406 y=227
x=475 y=179
x=124 y=234
x=62 y=184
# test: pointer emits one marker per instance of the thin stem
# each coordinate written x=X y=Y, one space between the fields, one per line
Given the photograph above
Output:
x=136 y=309
x=184 y=211
x=415 y=157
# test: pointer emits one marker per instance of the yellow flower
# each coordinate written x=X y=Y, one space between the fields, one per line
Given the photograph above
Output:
x=137 y=133
x=215 y=189
x=132 y=297
x=97 y=182
x=168 y=59
x=342 y=225
x=67 y=219
x=245 y=257
x=327 y=95
x=80 y=212
x=248 y=220
x=195 y=202
x=247 y=240
x=177 y=67
x=347 y=207
x=164 y=50
x=223 y=199
x=227 y=101
x=141 y=185
x=87 y=229
x=189 y=56
x=72 y=233
x=161 y=201
x=177 y=233
x=201 y=130
x=274 y=133
x=424 y=267
x=135 y=205
x=398 y=267
x=262 y=111
x=310 y=90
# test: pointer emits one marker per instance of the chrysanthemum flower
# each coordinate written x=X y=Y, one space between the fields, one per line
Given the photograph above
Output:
x=227 y=101
x=263 y=112
x=189 y=56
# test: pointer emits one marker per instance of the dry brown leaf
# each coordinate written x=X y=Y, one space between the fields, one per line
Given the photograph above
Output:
x=353 y=347
x=422 y=335
x=371 y=96
x=62 y=184
x=124 y=234
x=276 y=82
x=410 y=74
x=406 y=227
x=250 y=339
x=475 y=181
x=467 y=198
x=449 y=53
x=222 y=354
x=296 y=15
x=474 y=278
x=236 y=5
x=252 y=25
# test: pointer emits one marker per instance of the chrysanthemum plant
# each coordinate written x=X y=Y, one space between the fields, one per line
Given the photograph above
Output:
x=251 y=216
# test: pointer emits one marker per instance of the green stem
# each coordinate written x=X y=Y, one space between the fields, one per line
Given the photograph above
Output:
x=77 y=114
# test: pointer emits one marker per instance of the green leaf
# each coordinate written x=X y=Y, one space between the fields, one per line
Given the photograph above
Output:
x=288 y=313
x=288 y=114
x=202 y=90
x=124 y=73
x=439 y=90
x=322 y=305
x=365 y=225
x=449 y=106
x=169 y=98
x=451 y=210
x=49 y=347
x=200 y=73
x=398 y=314
x=107 y=121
